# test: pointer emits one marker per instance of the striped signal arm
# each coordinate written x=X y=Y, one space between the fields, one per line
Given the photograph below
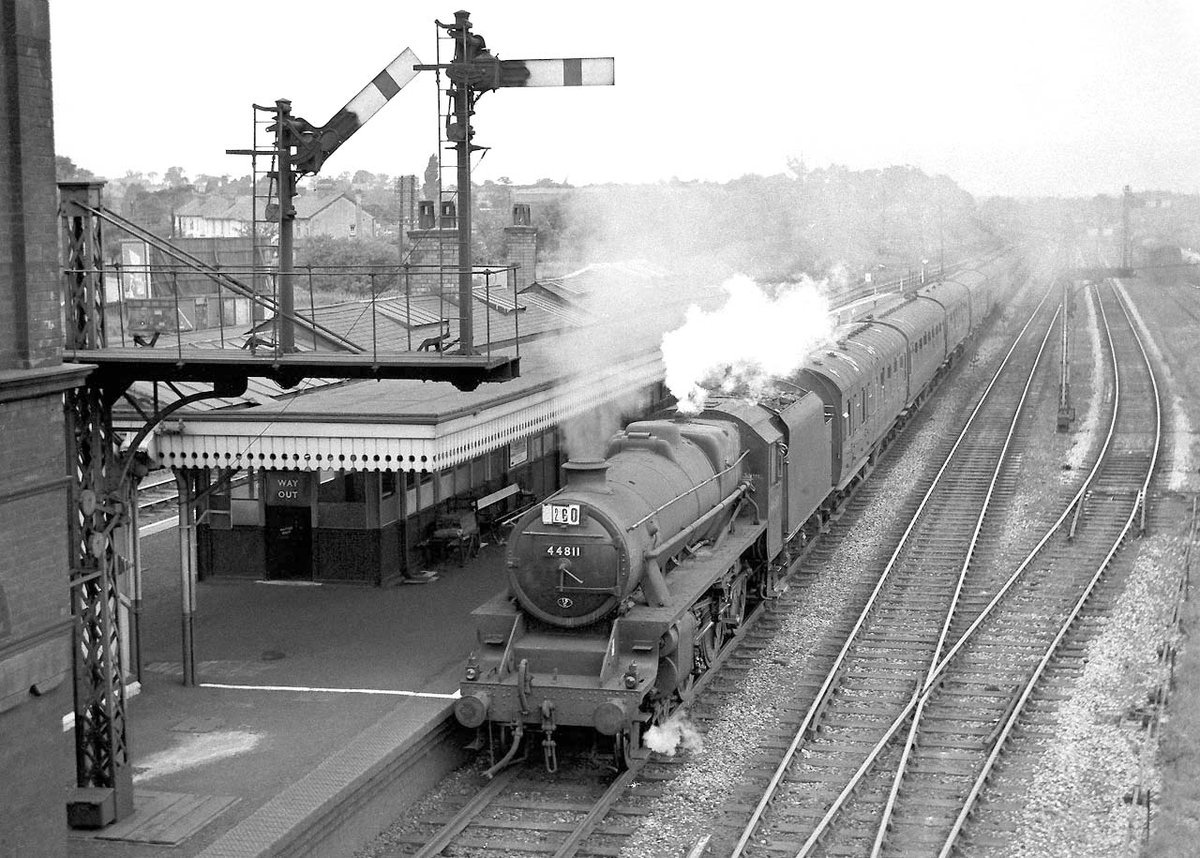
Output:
x=576 y=71
x=314 y=145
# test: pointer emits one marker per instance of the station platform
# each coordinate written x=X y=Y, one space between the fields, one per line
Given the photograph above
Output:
x=303 y=695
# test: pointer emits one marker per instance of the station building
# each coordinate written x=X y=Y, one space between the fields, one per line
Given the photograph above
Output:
x=343 y=482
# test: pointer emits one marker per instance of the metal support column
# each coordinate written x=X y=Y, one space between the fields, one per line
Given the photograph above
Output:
x=462 y=93
x=103 y=771
x=287 y=220
x=187 y=571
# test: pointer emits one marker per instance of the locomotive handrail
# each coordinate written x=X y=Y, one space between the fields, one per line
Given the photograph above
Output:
x=655 y=585
x=659 y=509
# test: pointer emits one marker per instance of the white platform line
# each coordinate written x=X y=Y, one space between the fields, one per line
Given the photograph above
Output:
x=158 y=526
x=132 y=689
x=384 y=691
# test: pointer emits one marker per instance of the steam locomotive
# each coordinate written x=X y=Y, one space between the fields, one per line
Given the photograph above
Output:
x=624 y=585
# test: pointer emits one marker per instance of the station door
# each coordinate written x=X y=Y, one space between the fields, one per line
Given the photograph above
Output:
x=289 y=543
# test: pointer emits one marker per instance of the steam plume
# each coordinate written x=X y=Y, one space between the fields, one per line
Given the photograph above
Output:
x=677 y=732
x=760 y=332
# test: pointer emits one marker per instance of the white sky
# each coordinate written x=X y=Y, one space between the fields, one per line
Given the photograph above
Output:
x=1021 y=97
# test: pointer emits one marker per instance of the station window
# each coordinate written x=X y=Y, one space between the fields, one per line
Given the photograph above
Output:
x=244 y=501
x=244 y=489
x=342 y=487
x=387 y=483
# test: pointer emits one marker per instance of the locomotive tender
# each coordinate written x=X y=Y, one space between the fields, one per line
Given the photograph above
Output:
x=625 y=584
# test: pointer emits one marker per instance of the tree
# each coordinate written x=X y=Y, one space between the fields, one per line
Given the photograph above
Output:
x=348 y=265
x=65 y=170
x=429 y=190
x=175 y=177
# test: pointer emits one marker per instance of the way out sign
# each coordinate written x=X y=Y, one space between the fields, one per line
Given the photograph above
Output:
x=288 y=489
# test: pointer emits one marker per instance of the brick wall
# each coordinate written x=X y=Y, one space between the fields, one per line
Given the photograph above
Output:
x=29 y=317
x=521 y=244
x=35 y=627
x=431 y=247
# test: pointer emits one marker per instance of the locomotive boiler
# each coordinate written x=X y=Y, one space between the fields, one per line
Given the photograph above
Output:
x=620 y=522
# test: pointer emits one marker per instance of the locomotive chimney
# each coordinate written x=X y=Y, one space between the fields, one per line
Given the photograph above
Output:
x=587 y=475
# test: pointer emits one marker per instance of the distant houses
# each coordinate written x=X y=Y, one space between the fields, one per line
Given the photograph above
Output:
x=338 y=215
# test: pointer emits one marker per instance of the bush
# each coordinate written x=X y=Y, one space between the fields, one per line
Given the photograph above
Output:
x=348 y=265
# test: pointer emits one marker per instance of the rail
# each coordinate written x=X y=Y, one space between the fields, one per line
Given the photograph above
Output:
x=1069 y=622
x=1104 y=464
x=836 y=670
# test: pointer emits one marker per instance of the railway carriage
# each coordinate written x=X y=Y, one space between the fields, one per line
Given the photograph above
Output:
x=863 y=383
x=955 y=300
x=624 y=585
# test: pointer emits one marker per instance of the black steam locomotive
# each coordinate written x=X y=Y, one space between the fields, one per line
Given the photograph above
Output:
x=625 y=584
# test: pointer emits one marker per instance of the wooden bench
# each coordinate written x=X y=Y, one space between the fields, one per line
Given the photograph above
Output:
x=488 y=510
x=494 y=520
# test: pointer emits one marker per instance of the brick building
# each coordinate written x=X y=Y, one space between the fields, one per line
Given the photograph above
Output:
x=35 y=620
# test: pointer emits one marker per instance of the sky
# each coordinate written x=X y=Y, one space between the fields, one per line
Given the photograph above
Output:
x=1014 y=98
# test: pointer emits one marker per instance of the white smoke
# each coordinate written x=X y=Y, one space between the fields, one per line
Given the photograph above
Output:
x=678 y=732
x=753 y=337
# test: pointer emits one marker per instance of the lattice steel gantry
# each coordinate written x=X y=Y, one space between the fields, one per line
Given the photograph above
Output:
x=100 y=504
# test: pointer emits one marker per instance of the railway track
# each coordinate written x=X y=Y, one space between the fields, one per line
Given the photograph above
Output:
x=158 y=496
x=883 y=764
x=941 y=702
x=594 y=815
x=157 y=490
x=584 y=808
